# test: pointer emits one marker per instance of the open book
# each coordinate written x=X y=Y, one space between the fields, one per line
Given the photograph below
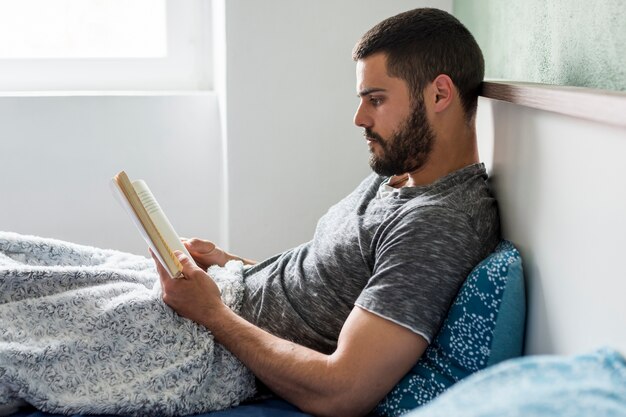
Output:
x=147 y=215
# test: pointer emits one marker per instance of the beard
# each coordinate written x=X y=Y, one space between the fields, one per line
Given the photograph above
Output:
x=408 y=149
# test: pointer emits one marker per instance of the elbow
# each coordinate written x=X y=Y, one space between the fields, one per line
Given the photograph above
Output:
x=338 y=406
x=342 y=393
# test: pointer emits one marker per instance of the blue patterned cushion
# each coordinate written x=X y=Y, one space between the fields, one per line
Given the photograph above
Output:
x=485 y=325
x=588 y=385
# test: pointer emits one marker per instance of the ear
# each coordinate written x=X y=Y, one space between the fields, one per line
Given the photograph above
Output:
x=443 y=92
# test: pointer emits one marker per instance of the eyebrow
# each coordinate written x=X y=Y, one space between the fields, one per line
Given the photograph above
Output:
x=369 y=91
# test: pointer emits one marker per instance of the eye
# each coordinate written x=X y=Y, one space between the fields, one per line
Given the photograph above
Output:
x=376 y=101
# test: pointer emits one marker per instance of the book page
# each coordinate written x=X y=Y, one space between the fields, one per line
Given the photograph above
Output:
x=158 y=217
x=119 y=196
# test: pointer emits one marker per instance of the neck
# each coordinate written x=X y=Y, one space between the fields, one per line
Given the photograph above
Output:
x=448 y=155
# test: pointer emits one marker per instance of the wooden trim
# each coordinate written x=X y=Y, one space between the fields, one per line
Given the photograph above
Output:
x=598 y=105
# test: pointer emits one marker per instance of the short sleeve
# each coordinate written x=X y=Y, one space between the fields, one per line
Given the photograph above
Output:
x=420 y=261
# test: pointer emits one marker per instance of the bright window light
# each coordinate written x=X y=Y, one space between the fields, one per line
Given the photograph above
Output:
x=83 y=29
x=105 y=45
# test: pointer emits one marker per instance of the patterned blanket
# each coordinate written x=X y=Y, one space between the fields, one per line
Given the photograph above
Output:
x=84 y=330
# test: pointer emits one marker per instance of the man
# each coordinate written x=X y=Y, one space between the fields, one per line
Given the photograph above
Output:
x=332 y=325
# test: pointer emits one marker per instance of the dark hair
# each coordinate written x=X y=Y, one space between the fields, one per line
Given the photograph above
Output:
x=423 y=43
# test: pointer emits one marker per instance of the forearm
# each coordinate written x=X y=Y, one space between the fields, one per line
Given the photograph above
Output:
x=302 y=376
x=372 y=353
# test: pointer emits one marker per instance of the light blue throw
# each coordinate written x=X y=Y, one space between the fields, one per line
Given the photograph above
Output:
x=588 y=385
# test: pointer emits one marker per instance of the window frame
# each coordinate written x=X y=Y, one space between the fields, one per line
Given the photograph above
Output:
x=187 y=65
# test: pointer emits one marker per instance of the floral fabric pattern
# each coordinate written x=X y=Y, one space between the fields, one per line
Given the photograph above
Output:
x=469 y=340
x=585 y=385
x=84 y=330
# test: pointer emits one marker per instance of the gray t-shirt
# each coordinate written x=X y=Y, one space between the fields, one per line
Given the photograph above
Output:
x=402 y=256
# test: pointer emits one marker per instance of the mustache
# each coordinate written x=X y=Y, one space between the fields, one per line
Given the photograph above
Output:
x=371 y=135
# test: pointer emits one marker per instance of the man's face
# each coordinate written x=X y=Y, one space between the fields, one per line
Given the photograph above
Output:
x=397 y=131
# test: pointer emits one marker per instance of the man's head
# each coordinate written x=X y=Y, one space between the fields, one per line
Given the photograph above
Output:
x=396 y=60
x=395 y=125
x=421 y=44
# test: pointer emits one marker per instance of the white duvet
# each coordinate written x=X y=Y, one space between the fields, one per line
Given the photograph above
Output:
x=84 y=330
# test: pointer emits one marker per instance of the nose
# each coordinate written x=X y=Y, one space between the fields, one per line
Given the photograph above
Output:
x=361 y=118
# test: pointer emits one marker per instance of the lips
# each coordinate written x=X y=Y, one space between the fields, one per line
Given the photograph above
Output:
x=370 y=139
x=370 y=136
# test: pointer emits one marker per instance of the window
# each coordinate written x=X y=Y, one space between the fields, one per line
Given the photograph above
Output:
x=105 y=45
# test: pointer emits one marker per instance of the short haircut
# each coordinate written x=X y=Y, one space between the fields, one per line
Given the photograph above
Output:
x=423 y=43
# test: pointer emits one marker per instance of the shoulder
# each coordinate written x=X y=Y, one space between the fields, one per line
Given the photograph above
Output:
x=428 y=228
x=460 y=201
x=430 y=213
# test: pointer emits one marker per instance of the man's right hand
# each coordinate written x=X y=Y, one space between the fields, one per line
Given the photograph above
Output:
x=206 y=253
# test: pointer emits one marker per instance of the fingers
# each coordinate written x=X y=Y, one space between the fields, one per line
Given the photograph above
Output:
x=199 y=246
x=205 y=253
x=193 y=296
x=190 y=268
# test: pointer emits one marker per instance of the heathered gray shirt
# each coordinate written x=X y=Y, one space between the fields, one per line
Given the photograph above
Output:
x=402 y=256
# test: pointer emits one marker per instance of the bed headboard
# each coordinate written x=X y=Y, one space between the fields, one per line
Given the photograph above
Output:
x=557 y=157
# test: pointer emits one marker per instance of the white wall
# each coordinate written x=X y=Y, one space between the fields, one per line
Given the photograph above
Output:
x=287 y=86
x=289 y=91
x=560 y=184
x=58 y=154
x=291 y=95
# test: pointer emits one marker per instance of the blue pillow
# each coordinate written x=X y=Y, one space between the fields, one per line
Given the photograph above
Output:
x=588 y=385
x=485 y=325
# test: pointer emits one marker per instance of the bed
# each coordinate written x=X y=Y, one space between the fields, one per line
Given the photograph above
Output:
x=563 y=213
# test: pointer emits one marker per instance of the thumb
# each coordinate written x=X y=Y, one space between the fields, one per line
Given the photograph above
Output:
x=189 y=267
x=200 y=246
